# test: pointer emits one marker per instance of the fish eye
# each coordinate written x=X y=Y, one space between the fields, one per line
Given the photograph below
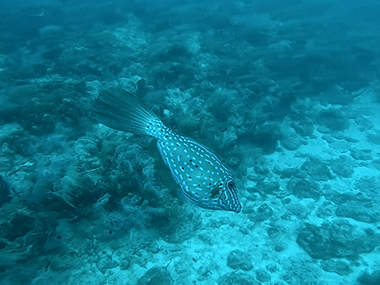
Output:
x=231 y=185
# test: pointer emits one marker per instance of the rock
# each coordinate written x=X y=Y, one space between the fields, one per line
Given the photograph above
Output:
x=235 y=278
x=370 y=279
x=291 y=141
x=262 y=276
x=265 y=137
x=336 y=239
x=279 y=247
x=156 y=275
x=328 y=138
x=298 y=210
x=238 y=259
x=327 y=209
x=303 y=127
x=271 y=187
x=343 y=166
x=342 y=146
x=289 y=172
x=340 y=267
x=356 y=210
x=4 y=191
x=361 y=154
x=303 y=188
x=106 y=263
x=376 y=164
x=317 y=169
x=374 y=137
x=263 y=213
x=370 y=187
x=334 y=120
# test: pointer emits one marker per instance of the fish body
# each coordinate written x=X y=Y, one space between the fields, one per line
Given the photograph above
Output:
x=203 y=179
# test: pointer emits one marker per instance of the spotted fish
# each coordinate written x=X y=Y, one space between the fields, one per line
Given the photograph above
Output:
x=203 y=179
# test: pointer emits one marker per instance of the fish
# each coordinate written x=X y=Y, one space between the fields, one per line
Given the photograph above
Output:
x=202 y=177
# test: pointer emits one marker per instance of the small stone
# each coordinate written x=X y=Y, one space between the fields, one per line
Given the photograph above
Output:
x=262 y=276
x=263 y=213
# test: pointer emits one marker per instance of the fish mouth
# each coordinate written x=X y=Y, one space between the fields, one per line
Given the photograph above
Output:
x=237 y=210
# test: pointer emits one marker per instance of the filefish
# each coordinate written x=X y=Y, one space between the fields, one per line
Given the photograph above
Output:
x=203 y=179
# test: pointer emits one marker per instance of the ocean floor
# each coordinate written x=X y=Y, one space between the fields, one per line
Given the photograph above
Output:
x=286 y=95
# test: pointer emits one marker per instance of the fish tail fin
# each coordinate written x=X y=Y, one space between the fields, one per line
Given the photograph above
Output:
x=120 y=110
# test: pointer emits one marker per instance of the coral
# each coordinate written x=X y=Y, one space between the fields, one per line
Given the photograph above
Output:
x=265 y=136
x=58 y=176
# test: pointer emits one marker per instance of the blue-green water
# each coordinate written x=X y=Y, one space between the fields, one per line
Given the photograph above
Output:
x=285 y=93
